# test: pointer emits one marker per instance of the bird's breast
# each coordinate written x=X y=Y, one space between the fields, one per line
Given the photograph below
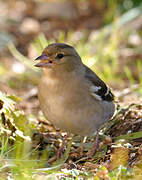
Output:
x=70 y=107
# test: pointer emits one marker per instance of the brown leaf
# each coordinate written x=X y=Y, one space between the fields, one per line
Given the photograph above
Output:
x=1 y=104
x=119 y=157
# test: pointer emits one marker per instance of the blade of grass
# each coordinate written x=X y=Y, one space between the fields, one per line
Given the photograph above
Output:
x=131 y=136
x=24 y=60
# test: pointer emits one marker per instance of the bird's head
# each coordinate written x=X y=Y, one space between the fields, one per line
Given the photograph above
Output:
x=59 y=56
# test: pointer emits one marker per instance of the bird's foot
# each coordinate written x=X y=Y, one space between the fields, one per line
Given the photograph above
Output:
x=63 y=146
x=96 y=146
x=60 y=150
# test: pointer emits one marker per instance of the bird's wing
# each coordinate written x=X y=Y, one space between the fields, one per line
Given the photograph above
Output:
x=99 y=89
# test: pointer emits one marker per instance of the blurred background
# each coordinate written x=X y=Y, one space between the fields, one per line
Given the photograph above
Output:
x=107 y=34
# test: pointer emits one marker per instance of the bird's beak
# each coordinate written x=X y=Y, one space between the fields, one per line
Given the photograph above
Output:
x=44 y=61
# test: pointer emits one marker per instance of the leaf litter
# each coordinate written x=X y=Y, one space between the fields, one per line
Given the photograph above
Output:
x=120 y=146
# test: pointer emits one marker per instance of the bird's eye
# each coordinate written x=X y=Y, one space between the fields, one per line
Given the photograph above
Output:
x=60 y=56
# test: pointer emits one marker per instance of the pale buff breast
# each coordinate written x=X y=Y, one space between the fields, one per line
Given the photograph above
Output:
x=66 y=110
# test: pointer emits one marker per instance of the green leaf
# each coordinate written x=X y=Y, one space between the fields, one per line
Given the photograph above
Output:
x=130 y=136
x=15 y=98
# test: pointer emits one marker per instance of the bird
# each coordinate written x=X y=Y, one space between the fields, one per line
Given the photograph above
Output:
x=72 y=97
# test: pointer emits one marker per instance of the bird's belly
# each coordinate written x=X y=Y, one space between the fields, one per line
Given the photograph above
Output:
x=73 y=116
x=71 y=109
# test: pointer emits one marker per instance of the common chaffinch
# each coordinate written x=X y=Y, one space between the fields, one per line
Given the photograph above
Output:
x=72 y=97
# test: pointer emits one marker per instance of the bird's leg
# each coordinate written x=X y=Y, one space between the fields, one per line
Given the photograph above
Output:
x=61 y=148
x=80 y=148
x=96 y=145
